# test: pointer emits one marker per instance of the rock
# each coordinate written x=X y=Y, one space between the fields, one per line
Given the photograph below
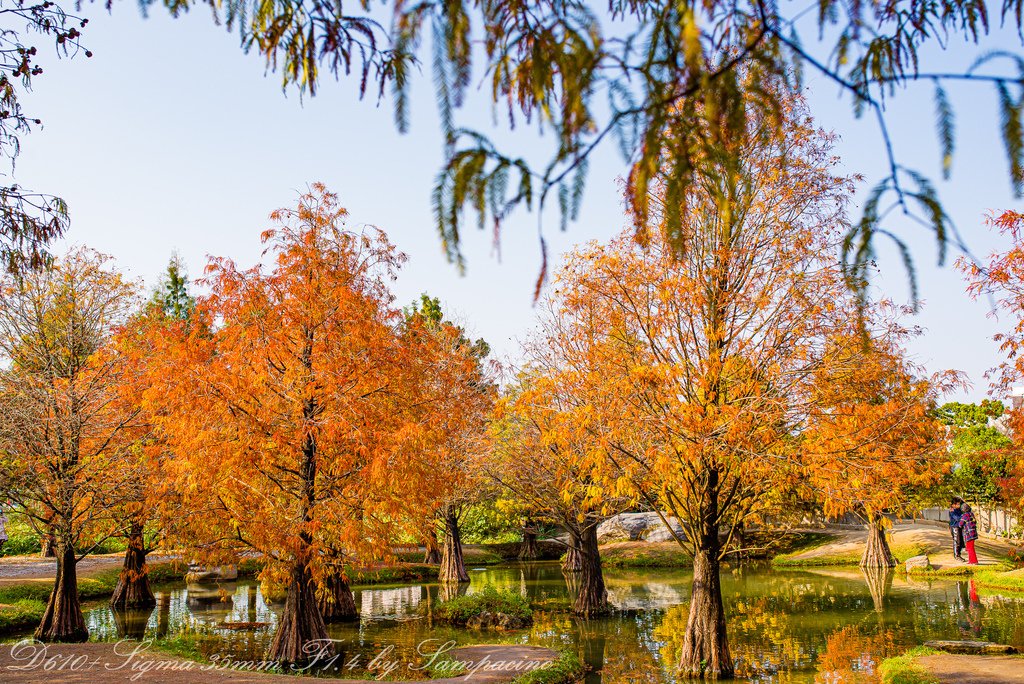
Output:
x=918 y=562
x=498 y=621
x=198 y=573
x=971 y=647
x=636 y=527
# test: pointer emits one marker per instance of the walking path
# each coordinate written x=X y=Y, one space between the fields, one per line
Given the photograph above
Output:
x=967 y=669
x=935 y=541
x=109 y=663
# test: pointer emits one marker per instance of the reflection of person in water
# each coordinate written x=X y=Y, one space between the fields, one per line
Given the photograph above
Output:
x=970 y=609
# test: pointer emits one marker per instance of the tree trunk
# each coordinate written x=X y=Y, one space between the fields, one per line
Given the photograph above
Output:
x=528 y=549
x=338 y=603
x=592 y=597
x=47 y=545
x=63 y=620
x=706 y=646
x=132 y=590
x=877 y=553
x=301 y=634
x=453 y=568
x=573 y=561
x=433 y=554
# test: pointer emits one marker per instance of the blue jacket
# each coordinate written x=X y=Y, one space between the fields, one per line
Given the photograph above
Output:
x=954 y=517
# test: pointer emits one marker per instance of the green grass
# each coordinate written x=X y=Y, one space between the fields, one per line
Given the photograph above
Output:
x=792 y=543
x=994 y=579
x=567 y=668
x=460 y=609
x=645 y=555
x=392 y=574
x=905 y=670
x=848 y=558
x=21 y=615
x=470 y=555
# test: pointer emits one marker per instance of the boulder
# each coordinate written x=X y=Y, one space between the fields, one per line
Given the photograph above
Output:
x=918 y=562
x=199 y=573
x=971 y=647
x=636 y=527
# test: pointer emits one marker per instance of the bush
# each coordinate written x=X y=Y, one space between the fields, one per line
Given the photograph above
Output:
x=21 y=538
x=461 y=608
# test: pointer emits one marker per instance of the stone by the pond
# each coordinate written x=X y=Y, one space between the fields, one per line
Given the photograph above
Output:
x=499 y=621
x=198 y=573
x=918 y=562
x=971 y=647
x=637 y=527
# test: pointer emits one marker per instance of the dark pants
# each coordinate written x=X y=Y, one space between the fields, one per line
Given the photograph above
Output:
x=958 y=540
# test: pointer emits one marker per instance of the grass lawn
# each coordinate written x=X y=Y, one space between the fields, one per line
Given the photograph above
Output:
x=846 y=558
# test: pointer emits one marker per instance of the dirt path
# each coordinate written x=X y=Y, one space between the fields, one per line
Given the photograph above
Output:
x=25 y=569
x=107 y=663
x=936 y=541
x=968 y=669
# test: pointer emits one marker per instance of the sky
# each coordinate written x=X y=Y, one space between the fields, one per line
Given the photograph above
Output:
x=170 y=138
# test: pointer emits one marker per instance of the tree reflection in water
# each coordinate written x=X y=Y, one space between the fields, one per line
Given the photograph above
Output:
x=853 y=657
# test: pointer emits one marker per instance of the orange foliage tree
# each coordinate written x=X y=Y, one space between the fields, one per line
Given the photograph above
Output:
x=695 y=353
x=285 y=409
x=872 y=436
x=451 y=395
x=1001 y=281
x=151 y=505
x=65 y=440
x=538 y=448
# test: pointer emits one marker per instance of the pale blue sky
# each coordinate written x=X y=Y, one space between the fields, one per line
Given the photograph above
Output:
x=170 y=138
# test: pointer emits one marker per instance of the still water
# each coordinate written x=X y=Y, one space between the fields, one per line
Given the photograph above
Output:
x=829 y=626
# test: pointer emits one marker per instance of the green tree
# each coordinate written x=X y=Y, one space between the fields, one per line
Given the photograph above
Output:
x=171 y=294
x=979 y=450
x=962 y=415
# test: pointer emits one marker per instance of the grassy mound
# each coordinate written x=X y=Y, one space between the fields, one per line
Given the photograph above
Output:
x=905 y=670
x=644 y=555
x=567 y=668
x=460 y=609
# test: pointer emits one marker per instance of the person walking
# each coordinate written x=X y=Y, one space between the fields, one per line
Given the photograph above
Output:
x=954 y=528
x=969 y=525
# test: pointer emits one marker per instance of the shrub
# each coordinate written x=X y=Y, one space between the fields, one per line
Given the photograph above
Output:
x=461 y=608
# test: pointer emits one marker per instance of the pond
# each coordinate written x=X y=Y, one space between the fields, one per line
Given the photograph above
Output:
x=828 y=625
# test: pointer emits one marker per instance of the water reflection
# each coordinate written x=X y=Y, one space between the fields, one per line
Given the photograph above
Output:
x=826 y=626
